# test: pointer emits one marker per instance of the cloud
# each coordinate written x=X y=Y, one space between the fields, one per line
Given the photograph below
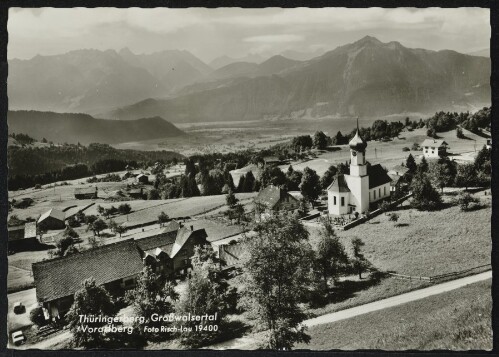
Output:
x=274 y=38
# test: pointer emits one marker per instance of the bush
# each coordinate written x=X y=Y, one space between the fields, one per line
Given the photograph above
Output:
x=406 y=149
x=36 y=316
x=467 y=202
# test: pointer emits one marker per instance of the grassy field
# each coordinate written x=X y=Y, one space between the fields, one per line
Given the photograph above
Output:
x=456 y=320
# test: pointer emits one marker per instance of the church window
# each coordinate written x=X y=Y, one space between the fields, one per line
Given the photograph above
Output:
x=384 y=190
x=334 y=200
x=342 y=201
x=379 y=191
x=374 y=194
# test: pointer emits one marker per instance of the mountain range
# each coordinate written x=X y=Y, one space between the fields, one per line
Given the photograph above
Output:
x=366 y=78
x=84 y=129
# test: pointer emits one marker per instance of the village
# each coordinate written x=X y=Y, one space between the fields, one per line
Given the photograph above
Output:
x=365 y=190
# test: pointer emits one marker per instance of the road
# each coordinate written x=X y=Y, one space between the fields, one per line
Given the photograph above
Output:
x=247 y=342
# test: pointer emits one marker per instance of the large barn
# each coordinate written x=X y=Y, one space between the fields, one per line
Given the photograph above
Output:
x=366 y=184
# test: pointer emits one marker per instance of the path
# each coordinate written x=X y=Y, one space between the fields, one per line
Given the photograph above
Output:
x=247 y=342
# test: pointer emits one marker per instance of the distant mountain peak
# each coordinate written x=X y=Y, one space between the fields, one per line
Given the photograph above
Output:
x=368 y=39
x=125 y=51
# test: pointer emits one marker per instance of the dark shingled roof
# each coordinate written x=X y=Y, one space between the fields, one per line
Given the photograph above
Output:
x=271 y=195
x=164 y=241
x=339 y=184
x=62 y=277
x=377 y=176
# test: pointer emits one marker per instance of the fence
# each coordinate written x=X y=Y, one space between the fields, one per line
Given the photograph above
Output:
x=436 y=278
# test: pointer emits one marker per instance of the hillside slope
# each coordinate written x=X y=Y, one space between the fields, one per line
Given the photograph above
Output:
x=82 y=128
x=367 y=77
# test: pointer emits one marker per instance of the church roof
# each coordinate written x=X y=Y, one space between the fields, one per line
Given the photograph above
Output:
x=357 y=143
x=377 y=176
x=339 y=184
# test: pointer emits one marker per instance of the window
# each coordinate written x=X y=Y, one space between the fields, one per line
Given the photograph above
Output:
x=384 y=190
x=334 y=200
x=379 y=191
x=374 y=194
x=342 y=201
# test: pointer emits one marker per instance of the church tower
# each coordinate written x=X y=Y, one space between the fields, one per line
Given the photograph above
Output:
x=358 y=180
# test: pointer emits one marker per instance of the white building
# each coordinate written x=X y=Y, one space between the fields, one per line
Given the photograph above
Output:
x=433 y=149
x=364 y=185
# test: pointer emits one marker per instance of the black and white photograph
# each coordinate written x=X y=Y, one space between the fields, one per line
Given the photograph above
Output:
x=249 y=178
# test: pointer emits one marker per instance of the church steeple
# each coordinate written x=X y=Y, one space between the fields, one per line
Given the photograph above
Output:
x=357 y=143
x=358 y=154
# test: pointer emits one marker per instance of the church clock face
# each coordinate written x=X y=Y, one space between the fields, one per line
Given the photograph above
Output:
x=354 y=153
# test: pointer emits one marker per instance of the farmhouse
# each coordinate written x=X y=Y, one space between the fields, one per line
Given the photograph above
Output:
x=142 y=178
x=170 y=252
x=15 y=232
x=434 y=148
x=365 y=185
x=115 y=266
x=271 y=161
x=82 y=193
x=52 y=219
x=136 y=193
x=273 y=199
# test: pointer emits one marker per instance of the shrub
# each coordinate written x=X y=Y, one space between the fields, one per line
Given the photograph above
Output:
x=466 y=201
x=406 y=149
x=36 y=316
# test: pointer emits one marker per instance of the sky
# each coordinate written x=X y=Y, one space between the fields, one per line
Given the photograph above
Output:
x=236 y=32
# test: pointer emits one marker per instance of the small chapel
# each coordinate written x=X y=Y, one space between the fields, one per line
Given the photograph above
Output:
x=363 y=186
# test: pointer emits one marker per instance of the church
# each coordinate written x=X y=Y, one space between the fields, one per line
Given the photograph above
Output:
x=363 y=186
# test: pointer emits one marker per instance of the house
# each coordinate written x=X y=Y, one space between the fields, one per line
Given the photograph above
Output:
x=400 y=177
x=398 y=170
x=273 y=199
x=26 y=241
x=271 y=161
x=114 y=266
x=142 y=178
x=363 y=187
x=136 y=193
x=82 y=193
x=433 y=148
x=489 y=144
x=52 y=219
x=170 y=251
x=15 y=232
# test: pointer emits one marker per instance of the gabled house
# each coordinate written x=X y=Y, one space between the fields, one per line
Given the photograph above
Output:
x=82 y=193
x=115 y=266
x=273 y=199
x=142 y=178
x=170 y=251
x=433 y=149
x=52 y=219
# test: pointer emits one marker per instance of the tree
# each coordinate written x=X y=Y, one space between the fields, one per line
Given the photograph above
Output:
x=98 y=226
x=272 y=175
x=320 y=140
x=360 y=263
x=328 y=177
x=410 y=163
x=293 y=180
x=73 y=222
x=423 y=165
x=330 y=256
x=231 y=199
x=37 y=317
x=249 y=182
x=459 y=133
x=120 y=230
x=90 y=300
x=466 y=175
x=440 y=175
x=124 y=208
x=310 y=186
x=153 y=195
x=206 y=294
x=100 y=210
x=149 y=297
x=163 y=218
x=425 y=197
x=275 y=274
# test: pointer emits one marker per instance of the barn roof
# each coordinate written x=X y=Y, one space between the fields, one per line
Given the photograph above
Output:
x=54 y=213
x=271 y=195
x=377 y=176
x=30 y=230
x=434 y=143
x=85 y=190
x=64 y=276
x=339 y=184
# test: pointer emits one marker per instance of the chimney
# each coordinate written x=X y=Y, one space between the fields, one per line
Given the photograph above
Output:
x=192 y=228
